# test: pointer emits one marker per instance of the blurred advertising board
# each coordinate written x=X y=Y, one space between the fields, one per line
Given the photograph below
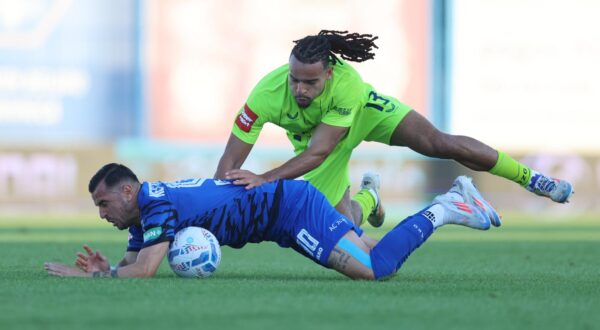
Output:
x=55 y=181
x=67 y=71
x=49 y=180
x=409 y=182
x=525 y=74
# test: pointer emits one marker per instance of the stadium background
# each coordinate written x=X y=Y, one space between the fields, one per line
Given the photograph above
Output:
x=156 y=85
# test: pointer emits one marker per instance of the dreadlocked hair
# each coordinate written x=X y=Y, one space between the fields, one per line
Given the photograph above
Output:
x=323 y=47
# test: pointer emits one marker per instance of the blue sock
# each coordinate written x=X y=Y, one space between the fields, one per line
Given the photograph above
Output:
x=393 y=249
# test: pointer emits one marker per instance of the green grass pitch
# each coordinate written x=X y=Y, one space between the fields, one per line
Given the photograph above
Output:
x=529 y=274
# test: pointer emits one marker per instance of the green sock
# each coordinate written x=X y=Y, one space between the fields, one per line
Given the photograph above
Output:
x=365 y=199
x=511 y=169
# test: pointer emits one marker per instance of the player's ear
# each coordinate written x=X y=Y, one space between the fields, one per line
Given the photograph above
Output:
x=127 y=190
x=329 y=72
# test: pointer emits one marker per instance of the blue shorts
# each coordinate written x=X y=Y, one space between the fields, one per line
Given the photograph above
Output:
x=308 y=223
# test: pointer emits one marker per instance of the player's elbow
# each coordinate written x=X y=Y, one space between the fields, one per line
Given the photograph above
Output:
x=144 y=271
x=318 y=154
x=319 y=158
x=149 y=272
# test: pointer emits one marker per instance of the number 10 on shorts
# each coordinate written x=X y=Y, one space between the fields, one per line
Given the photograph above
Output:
x=308 y=243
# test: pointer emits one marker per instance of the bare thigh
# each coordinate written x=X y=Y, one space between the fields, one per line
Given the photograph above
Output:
x=369 y=242
x=345 y=208
x=348 y=262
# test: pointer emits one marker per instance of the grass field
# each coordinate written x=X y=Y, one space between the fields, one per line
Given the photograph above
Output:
x=526 y=275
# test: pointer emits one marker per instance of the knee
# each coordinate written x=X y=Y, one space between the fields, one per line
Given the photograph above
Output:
x=383 y=264
x=370 y=276
x=364 y=275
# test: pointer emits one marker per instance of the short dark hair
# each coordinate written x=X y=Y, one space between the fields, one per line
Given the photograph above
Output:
x=111 y=174
x=323 y=47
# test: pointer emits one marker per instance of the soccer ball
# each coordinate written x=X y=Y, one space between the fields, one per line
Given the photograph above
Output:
x=195 y=252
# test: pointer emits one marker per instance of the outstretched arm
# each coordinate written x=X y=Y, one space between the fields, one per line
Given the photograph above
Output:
x=129 y=258
x=96 y=261
x=233 y=157
x=323 y=141
x=147 y=262
x=91 y=261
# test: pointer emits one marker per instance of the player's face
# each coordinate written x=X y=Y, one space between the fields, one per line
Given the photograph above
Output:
x=307 y=81
x=117 y=205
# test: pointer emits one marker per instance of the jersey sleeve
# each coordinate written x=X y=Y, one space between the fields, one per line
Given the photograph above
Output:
x=158 y=222
x=262 y=105
x=248 y=124
x=136 y=238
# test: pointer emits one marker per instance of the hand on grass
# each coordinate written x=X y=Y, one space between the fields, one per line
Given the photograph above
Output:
x=62 y=270
x=92 y=262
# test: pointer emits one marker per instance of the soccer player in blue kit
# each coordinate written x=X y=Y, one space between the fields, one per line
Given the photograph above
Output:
x=291 y=213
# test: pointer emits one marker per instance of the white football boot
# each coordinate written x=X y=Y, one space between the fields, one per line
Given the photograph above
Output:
x=466 y=206
x=465 y=186
x=557 y=190
x=370 y=181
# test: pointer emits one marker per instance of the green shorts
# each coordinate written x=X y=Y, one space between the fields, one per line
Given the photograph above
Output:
x=376 y=121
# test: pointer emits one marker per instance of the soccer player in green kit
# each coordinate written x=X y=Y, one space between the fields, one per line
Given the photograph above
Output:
x=327 y=110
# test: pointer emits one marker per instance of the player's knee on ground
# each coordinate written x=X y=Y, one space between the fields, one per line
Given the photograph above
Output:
x=364 y=275
x=347 y=265
x=351 y=257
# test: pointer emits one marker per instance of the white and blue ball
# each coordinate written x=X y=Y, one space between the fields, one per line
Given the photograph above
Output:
x=195 y=252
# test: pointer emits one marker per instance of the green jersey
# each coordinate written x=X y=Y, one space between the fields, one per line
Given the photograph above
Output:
x=272 y=101
x=346 y=101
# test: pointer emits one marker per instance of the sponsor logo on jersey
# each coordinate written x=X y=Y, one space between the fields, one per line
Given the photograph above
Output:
x=292 y=117
x=187 y=183
x=221 y=182
x=152 y=234
x=246 y=119
x=342 y=111
x=334 y=225
x=156 y=189
x=319 y=252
